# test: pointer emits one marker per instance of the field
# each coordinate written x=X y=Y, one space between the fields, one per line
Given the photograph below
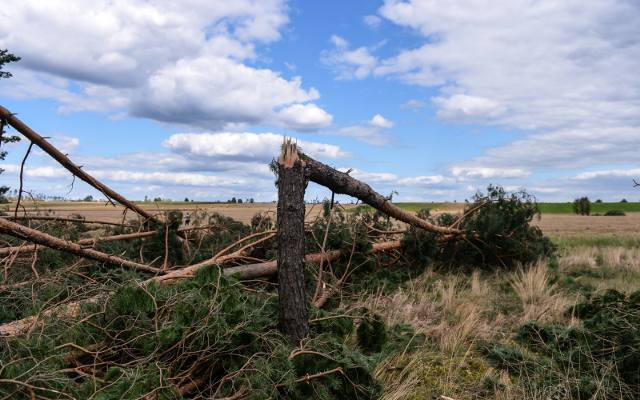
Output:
x=471 y=333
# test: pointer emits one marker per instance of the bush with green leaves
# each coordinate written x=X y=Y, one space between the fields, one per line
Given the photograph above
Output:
x=498 y=234
x=615 y=213
x=208 y=336
x=581 y=206
x=597 y=359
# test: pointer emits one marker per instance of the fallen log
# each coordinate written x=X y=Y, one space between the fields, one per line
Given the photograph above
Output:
x=242 y=272
x=43 y=239
x=48 y=148
x=61 y=219
x=342 y=183
x=82 y=242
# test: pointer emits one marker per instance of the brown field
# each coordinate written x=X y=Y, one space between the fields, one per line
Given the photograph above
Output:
x=551 y=224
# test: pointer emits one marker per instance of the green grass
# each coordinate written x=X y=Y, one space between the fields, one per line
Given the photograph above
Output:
x=545 y=208
x=596 y=208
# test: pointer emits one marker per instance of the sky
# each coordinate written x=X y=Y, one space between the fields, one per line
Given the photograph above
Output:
x=431 y=99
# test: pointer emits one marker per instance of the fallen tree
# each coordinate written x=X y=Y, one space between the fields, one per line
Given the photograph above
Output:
x=342 y=183
x=242 y=272
x=76 y=170
x=41 y=238
x=82 y=242
x=28 y=217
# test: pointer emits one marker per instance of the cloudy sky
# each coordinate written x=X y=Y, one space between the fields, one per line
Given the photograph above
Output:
x=434 y=99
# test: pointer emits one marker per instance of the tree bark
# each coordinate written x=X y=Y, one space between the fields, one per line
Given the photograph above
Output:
x=68 y=164
x=342 y=183
x=83 y=242
x=41 y=238
x=294 y=315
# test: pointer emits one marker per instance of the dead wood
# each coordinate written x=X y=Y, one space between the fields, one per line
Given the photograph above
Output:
x=242 y=272
x=82 y=242
x=342 y=183
x=68 y=164
x=41 y=238
x=62 y=219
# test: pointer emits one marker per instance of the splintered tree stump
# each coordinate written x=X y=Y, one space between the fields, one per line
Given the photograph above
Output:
x=294 y=315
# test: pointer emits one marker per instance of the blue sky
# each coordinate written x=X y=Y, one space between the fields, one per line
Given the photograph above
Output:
x=433 y=99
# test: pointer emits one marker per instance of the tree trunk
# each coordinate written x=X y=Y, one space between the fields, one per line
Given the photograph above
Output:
x=44 y=239
x=294 y=316
x=342 y=183
x=69 y=165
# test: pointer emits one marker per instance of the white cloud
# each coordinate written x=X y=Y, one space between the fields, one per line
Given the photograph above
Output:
x=180 y=63
x=338 y=41
x=381 y=122
x=461 y=107
x=563 y=73
x=348 y=64
x=372 y=21
x=243 y=146
x=611 y=173
x=304 y=117
x=413 y=104
x=373 y=131
x=473 y=172
x=213 y=92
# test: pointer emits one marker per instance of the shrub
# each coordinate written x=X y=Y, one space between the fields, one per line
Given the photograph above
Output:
x=598 y=359
x=615 y=213
x=581 y=206
x=498 y=230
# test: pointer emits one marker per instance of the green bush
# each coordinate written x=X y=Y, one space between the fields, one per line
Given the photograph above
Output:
x=581 y=206
x=615 y=213
x=498 y=230
x=597 y=359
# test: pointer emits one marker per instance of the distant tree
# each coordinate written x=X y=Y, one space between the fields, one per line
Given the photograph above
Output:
x=239 y=201
x=186 y=199
x=88 y=198
x=157 y=199
x=233 y=200
x=623 y=201
x=582 y=206
x=146 y=198
x=5 y=58
x=251 y=200
x=599 y=201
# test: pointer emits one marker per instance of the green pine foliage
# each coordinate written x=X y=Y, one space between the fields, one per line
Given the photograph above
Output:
x=499 y=234
x=596 y=359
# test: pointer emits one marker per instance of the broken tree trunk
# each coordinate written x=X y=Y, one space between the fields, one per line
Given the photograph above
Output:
x=48 y=148
x=41 y=238
x=342 y=183
x=294 y=315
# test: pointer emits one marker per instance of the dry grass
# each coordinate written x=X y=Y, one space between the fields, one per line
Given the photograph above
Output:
x=541 y=300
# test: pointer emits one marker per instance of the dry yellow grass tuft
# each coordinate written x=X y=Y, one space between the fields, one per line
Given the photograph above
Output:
x=541 y=300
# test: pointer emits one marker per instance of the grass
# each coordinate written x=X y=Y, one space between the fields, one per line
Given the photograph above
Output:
x=545 y=208
x=596 y=208
x=459 y=312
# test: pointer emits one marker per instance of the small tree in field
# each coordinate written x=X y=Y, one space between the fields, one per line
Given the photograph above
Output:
x=5 y=58
x=582 y=206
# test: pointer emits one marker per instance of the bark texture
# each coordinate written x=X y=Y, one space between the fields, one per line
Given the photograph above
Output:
x=342 y=183
x=68 y=164
x=37 y=237
x=294 y=315
x=83 y=242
